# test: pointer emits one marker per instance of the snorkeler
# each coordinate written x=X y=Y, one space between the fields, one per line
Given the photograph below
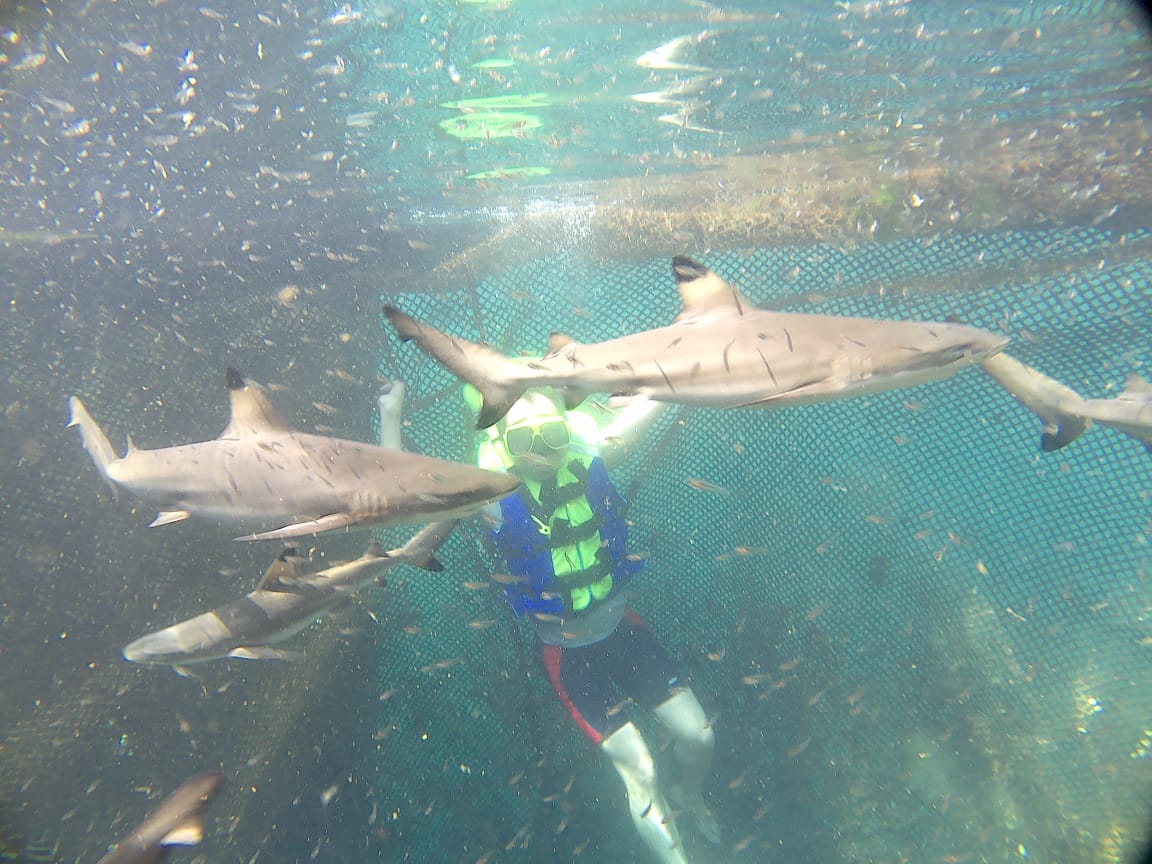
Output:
x=564 y=539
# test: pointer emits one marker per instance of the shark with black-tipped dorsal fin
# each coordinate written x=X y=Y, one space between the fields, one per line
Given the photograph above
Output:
x=177 y=821
x=721 y=351
x=261 y=469
x=285 y=602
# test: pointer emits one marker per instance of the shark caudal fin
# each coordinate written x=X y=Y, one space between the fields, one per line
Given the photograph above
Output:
x=500 y=380
x=420 y=551
x=1058 y=406
x=93 y=438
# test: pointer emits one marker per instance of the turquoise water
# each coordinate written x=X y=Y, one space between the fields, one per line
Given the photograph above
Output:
x=918 y=637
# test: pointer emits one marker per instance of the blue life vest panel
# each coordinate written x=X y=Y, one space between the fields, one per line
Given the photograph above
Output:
x=528 y=551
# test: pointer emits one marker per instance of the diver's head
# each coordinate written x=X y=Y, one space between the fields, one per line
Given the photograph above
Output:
x=535 y=435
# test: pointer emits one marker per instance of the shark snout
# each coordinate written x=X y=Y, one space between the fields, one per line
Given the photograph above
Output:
x=161 y=647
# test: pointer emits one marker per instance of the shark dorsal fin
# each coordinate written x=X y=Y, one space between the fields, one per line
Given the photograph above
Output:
x=558 y=341
x=702 y=290
x=284 y=569
x=252 y=410
x=1137 y=386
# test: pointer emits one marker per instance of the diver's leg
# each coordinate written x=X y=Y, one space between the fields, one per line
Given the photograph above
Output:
x=633 y=762
x=391 y=405
x=578 y=677
x=654 y=678
x=694 y=740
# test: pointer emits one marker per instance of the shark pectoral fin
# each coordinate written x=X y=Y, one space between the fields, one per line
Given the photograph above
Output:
x=305 y=529
x=262 y=652
x=420 y=551
x=167 y=517
x=188 y=833
x=574 y=396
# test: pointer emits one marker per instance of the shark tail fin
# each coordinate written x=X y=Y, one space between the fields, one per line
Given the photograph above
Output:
x=93 y=438
x=1062 y=429
x=420 y=551
x=500 y=380
x=1057 y=405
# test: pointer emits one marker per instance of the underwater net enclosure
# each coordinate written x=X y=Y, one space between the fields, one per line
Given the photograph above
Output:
x=916 y=634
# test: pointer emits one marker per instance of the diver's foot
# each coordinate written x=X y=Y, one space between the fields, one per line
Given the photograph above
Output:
x=693 y=804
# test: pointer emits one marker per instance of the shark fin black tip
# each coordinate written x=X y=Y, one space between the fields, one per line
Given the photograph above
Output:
x=1066 y=430
x=235 y=379
x=495 y=405
x=686 y=269
x=403 y=324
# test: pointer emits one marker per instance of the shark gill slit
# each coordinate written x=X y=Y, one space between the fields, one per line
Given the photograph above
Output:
x=767 y=366
x=667 y=380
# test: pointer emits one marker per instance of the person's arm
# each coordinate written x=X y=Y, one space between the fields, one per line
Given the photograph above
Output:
x=626 y=427
x=391 y=407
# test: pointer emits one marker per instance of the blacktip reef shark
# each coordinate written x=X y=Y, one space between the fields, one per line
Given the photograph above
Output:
x=284 y=603
x=720 y=351
x=1065 y=413
x=261 y=468
x=178 y=821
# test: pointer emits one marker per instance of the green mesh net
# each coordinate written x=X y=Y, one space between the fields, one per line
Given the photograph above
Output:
x=914 y=629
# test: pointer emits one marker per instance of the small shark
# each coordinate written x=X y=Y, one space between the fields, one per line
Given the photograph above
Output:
x=176 y=822
x=261 y=468
x=1130 y=412
x=285 y=602
x=1059 y=407
x=721 y=352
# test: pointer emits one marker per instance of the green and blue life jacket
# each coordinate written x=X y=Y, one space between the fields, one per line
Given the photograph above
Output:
x=565 y=543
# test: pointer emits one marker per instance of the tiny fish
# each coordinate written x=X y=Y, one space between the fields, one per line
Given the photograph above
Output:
x=328 y=794
x=140 y=49
x=619 y=706
x=706 y=486
x=750 y=550
x=797 y=749
x=743 y=843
